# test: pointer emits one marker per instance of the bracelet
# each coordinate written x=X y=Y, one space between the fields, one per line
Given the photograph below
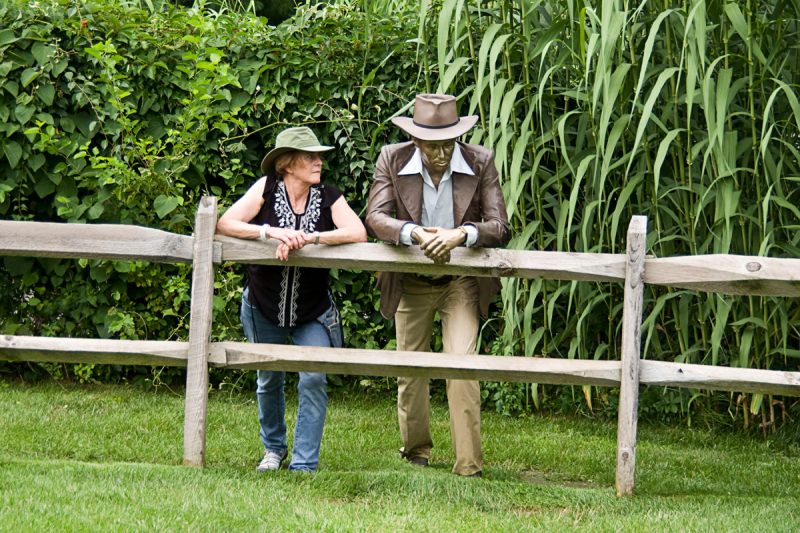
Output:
x=262 y=233
x=316 y=239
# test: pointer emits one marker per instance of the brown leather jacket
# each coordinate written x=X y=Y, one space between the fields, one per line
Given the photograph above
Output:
x=395 y=200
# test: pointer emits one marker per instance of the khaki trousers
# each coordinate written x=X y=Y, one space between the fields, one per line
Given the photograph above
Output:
x=457 y=304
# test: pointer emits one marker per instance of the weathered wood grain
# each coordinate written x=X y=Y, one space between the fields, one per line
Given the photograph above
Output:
x=709 y=377
x=414 y=364
x=194 y=428
x=728 y=274
x=390 y=363
x=93 y=241
x=631 y=353
x=101 y=351
x=464 y=261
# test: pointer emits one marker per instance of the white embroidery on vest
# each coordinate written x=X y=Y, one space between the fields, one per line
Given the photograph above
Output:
x=289 y=292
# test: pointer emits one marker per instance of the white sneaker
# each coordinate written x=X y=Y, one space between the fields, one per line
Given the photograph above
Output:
x=271 y=461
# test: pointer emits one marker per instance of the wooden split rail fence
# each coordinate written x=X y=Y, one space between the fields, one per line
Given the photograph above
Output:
x=714 y=273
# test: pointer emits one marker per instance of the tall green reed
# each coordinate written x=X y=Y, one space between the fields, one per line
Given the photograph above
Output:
x=685 y=112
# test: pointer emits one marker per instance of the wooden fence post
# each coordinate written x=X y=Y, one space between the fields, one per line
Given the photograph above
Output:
x=194 y=426
x=631 y=352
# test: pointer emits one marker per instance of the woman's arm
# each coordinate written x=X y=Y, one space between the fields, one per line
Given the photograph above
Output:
x=348 y=226
x=236 y=222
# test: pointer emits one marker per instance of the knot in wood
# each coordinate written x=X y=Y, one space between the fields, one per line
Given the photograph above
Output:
x=753 y=266
x=504 y=268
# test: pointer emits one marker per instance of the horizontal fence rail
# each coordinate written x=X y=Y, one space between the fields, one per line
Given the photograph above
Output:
x=721 y=273
x=394 y=363
x=93 y=241
x=727 y=274
x=491 y=262
x=104 y=351
x=414 y=364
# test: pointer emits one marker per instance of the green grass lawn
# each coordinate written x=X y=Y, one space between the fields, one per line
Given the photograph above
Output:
x=99 y=457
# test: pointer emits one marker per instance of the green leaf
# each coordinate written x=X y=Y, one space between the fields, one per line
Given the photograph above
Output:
x=165 y=205
x=46 y=93
x=86 y=124
x=782 y=202
x=722 y=311
x=744 y=347
x=24 y=113
x=59 y=67
x=17 y=266
x=7 y=37
x=95 y=211
x=36 y=161
x=67 y=124
x=12 y=87
x=735 y=15
x=42 y=52
x=13 y=153
x=44 y=188
x=28 y=75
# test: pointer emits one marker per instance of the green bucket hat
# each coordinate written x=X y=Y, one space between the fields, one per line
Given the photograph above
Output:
x=301 y=138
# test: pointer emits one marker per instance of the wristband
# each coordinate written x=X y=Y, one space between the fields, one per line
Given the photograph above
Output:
x=262 y=233
x=316 y=240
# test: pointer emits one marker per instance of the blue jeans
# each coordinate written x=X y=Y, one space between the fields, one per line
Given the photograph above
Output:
x=311 y=390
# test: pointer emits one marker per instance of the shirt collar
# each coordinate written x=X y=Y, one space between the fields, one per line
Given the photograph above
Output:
x=457 y=163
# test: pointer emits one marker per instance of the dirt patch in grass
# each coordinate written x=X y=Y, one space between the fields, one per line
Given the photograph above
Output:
x=537 y=477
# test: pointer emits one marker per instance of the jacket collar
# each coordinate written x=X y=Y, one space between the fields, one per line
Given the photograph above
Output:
x=465 y=181
x=457 y=163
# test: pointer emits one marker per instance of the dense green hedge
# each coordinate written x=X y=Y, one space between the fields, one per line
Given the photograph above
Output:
x=115 y=114
x=686 y=113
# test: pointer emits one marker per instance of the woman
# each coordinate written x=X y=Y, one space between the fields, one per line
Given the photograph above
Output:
x=280 y=302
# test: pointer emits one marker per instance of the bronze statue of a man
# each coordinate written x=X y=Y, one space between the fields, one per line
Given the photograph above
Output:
x=439 y=193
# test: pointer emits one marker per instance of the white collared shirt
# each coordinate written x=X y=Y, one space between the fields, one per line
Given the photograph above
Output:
x=437 y=203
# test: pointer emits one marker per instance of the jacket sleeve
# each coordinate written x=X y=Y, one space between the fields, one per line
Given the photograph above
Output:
x=382 y=203
x=493 y=224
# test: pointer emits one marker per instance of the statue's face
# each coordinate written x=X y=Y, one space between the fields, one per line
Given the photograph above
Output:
x=436 y=155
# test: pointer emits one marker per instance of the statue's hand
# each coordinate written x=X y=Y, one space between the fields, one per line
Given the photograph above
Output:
x=422 y=235
x=441 y=242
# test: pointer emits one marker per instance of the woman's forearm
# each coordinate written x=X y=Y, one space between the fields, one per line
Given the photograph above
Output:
x=237 y=228
x=343 y=235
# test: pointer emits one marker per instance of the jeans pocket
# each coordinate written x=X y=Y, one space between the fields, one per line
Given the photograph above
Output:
x=333 y=324
x=246 y=297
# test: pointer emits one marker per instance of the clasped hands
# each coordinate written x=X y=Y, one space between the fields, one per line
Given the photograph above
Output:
x=436 y=242
x=290 y=239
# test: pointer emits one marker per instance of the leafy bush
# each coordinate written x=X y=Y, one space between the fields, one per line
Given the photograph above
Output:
x=118 y=114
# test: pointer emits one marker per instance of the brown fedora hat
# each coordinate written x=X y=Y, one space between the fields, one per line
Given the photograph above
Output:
x=435 y=119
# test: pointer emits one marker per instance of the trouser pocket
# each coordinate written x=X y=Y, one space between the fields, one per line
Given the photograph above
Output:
x=333 y=324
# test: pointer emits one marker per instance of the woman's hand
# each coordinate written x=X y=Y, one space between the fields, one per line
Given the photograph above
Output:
x=282 y=252
x=311 y=238
x=292 y=238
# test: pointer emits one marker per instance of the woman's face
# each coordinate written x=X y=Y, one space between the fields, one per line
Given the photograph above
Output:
x=306 y=167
